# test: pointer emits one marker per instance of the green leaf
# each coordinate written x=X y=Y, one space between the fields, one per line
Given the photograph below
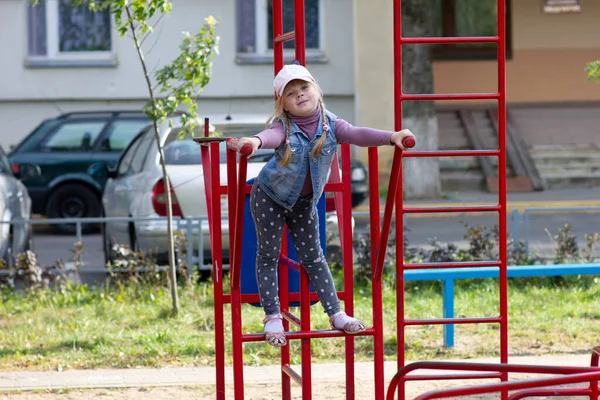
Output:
x=593 y=70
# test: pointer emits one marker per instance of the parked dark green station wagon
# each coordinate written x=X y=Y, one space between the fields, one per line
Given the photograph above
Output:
x=54 y=159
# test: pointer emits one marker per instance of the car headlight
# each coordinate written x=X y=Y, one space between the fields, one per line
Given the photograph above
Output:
x=358 y=174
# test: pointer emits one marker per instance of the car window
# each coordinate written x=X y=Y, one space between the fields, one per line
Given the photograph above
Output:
x=184 y=152
x=120 y=133
x=31 y=142
x=187 y=152
x=5 y=165
x=146 y=143
x=73 y=136
x=127 y=157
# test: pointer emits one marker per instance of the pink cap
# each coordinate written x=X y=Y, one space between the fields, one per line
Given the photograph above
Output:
x=287 y=74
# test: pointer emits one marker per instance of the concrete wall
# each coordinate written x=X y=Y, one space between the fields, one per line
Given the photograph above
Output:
x=550 y=53
x=29 y=94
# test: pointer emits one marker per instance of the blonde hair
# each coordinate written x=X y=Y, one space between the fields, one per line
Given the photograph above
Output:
x=280 y=113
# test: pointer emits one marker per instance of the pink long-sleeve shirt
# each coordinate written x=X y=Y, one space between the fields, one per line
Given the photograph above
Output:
x=345 y=132
x=274 y=136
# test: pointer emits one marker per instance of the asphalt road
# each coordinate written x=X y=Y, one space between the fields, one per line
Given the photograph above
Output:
x=420 y=231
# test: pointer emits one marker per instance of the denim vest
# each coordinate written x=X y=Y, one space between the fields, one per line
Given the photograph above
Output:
x=283 y=184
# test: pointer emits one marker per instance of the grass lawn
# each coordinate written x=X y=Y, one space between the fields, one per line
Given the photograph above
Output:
x=128 y=326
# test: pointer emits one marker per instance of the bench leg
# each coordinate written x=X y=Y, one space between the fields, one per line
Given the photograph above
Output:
x=448 y=304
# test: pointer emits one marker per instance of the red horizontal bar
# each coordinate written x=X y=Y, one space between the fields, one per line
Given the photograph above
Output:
x=511 y=386
x=286 y=37
x=288 y=262
x=291 y=318
x=260 y=337
x=458 y=264
x=292 y=374
x=444 y=40
x=449 y=321
x=479 y=367
x=334 y=187
x=451 y=96
x=543 y=393
x=293 y=297
x=489 y=375
x=452 y=153
x=433 y=210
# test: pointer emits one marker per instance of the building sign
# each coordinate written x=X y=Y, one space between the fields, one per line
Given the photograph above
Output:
x=561 y=6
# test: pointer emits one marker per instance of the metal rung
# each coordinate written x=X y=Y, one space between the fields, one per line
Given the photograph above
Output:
x=445 y=40
x=452 y=153
x=451 y=321
x=458 y=264
x=489 y=375
x=320 y=334
x=451 y=96
x=433 y=210
x=288 y=262
x=291 y=318
x=286 y=37
x=294 y=297
x=292 y=374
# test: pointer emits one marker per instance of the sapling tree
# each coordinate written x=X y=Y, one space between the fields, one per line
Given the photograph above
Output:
x=173 y=88
x=593 y=70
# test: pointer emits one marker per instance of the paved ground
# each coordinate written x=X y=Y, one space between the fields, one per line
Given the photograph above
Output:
x=205 y=376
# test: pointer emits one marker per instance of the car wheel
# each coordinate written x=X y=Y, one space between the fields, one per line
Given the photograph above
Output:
x=357 y=199
x=73 y=201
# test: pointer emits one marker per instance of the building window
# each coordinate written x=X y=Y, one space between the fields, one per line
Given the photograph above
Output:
x=255 y=28
x=468 y=18
x=61 y=34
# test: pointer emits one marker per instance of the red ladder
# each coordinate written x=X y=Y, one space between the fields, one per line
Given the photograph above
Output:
x=395 y=191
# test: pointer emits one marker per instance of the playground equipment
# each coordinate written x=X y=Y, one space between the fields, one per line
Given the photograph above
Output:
x=293 y=277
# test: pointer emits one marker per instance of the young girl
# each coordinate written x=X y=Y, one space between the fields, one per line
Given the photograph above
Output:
x=305 y=136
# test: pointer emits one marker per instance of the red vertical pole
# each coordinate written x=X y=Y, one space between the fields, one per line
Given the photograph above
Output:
x=305 y=342
x=217 y=258
x=299 y=28
x=278 y=60
x=502 y=186
x=376 y=286
x=234 y=284
x=277 y=31
x=284 y=304
x=346 y=237
x=400 y=311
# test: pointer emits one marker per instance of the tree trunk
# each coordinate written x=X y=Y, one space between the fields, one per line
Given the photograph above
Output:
x=421 y=175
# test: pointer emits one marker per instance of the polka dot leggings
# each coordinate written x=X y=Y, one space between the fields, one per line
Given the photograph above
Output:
x=269 y=219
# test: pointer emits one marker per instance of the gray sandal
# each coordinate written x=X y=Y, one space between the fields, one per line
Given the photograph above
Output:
x=351 y=325
x=275 y=338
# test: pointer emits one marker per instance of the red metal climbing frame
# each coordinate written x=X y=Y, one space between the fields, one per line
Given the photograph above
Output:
x=236 y=189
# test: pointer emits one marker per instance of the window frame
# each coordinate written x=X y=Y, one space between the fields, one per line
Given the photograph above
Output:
x=55 y=57
x=262 y=54
x=452 y=52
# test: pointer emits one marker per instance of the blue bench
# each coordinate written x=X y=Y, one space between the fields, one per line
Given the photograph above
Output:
x=448 y=275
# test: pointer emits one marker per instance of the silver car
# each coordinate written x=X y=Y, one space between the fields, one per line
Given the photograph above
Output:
x=15 y=206
x=135 y=189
